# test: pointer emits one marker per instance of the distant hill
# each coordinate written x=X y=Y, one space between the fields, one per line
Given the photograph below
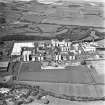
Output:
x=33 y=17
x=73 y=35
x=22 y=38
x=79 y=34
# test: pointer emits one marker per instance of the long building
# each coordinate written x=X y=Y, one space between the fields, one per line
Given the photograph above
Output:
x=51 y=50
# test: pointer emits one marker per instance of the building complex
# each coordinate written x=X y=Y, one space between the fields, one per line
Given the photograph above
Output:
x=53 y=53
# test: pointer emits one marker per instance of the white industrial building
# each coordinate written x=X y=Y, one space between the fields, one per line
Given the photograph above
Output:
x=17 y=48
x=61 y=43
x=26 y=55
x=88 y=47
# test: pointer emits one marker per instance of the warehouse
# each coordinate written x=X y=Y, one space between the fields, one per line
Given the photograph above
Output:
x=17 y=48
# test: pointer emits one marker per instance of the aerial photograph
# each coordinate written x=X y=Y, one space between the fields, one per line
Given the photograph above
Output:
x=52 y=52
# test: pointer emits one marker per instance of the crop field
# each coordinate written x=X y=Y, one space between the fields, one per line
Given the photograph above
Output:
x=99 y=73
x=28 y=71
x=69 y=20
x=71 y=89
x=42 y=20
x=70 y=81
x=80 y=74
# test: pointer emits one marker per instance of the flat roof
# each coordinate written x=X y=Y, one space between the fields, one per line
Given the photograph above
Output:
x=4 y=64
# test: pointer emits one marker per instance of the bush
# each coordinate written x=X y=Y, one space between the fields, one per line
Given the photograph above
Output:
x=45 y=101
x=83 y=62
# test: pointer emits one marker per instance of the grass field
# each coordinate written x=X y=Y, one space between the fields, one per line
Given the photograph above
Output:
x=37 y=21
x=29 y=71
x=70 y=89
x=34 y=19
x=73 y=74
x=75 y=81
x=55 y=101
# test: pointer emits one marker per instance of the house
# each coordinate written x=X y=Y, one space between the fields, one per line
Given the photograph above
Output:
x=61 y=43
x=55 y=42
x=40 y=58
x=26 y=55
x=4 y=65
x=48 y=44
x=67 y=43
x=65 y=49
x=41 y=44
x=41 y=49
x=34 y=57
x=76 y=46
x=58 y=57
x=88 y=48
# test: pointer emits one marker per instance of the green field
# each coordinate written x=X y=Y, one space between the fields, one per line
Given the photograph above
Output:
x=35 y=21
x=74 y=81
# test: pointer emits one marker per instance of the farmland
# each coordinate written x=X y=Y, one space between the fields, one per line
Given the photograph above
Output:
x=33 y=20
x=22 y=21
x=75 y=81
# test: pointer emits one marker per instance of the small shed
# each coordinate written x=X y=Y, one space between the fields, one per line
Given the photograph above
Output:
x=4 y=65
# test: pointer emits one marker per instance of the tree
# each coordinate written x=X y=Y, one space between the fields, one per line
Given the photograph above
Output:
x=83 y=62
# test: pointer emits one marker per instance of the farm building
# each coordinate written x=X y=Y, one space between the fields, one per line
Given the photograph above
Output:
x=4 y=66
x=17 y=48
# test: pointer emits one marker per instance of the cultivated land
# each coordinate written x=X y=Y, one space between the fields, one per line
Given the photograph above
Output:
x=74 y=81
x=38 y=21
x=55 y=101
x=26 y=20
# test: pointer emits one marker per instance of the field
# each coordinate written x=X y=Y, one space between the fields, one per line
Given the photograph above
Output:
x=74 y=81
x=70 y=20
x=99 y=66
x=28 y=20
x=55 y=101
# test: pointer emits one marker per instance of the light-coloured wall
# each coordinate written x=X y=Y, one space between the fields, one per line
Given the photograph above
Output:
x=18 y=45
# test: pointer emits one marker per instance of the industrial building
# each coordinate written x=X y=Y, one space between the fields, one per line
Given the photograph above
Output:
x=52 y=53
